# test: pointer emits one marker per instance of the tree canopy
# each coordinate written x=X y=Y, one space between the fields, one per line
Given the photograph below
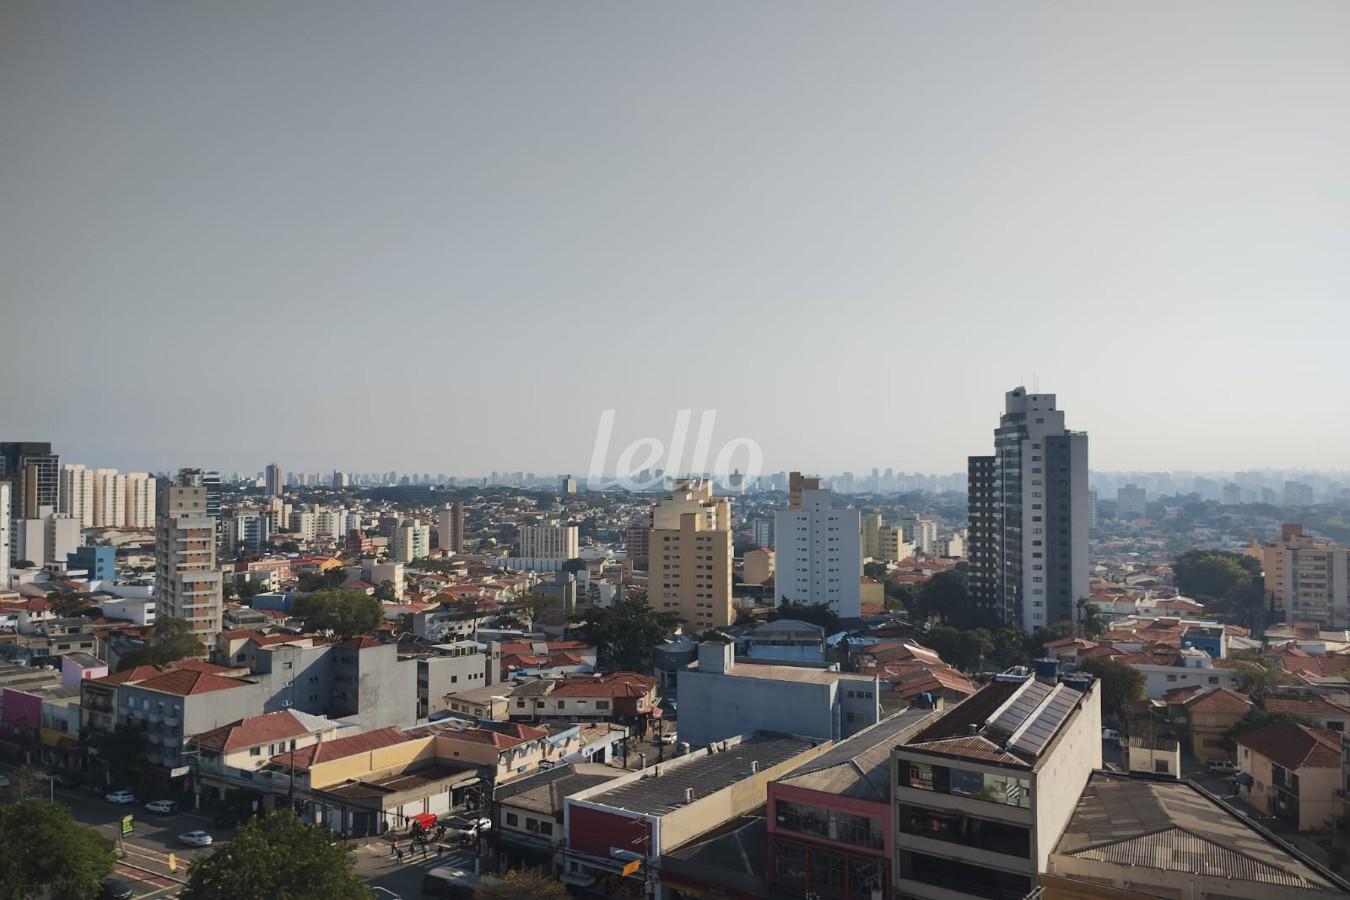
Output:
x=347 y=613
x=815 y=613
x=1260 y=718
x=625 y=633
x=522 y=884
x=1121 y=685
x=277 y=857
x=173 y=640
x=1229 y=584
x=44 y=852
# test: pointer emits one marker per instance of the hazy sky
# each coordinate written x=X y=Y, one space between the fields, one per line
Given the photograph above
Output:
x=445 y=236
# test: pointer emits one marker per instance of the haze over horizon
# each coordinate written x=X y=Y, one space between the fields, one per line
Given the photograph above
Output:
x=445 y=238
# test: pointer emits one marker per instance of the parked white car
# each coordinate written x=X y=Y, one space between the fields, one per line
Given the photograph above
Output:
x=195 y=839
x=120 y=797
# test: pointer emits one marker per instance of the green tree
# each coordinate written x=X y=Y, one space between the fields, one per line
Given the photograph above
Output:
x=25 y=564
x=1122 y=686
x=385 y=592
x=322 y=581
x=900 y=596
x=121 y=750
x=1213 y=575
x=1010 y=648
x=625 y=633
x=1257 y=676
x=964 y=649
x=347 y=613
x=44 y=852
x=875 y=570
x=522 y=884
x=1091 y=623
x=280 y=858
x=946 y=595
x=815 y=613
x=173 y=640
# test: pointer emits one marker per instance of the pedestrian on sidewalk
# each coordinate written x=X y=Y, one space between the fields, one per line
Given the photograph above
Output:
x=393 y=849
x=399 y=851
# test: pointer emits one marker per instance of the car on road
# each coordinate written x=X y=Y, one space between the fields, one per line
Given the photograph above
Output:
x=120 y=797
x=1221 y=767
x=195 y=839
x=114 y=889
x=669 y=737
x=162 y=807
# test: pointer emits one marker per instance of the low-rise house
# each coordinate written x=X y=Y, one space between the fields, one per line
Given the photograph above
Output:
x=527 y=814
x=1292 y=772
x=1135 y=837
x=1326 y=714
x=1154 y=756
x=233 y=756
x=833 y=814
x=641 y=816
x=1210 y=713
x=624 y=697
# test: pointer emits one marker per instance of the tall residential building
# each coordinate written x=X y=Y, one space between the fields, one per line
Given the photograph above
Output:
x=818 y=555
x=797 y=484
x=1308 y=578
x=187 y=582
x=450 y=529
x=569 y=484
x=35 y=473
x=922 y=533
x=871 y=535
x=1092 y=510
x=45 y=538
x=1131 y=502
x=275 y=480
x=140 y=500
x=77 y=494
x=5 y=511
x=110 y=499
x=409 y=540
x=1028 y=507
x=689 y=553
x=550 y=542
x=761 y=532
x=247 y=532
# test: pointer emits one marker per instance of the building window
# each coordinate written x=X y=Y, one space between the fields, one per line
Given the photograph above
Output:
x=512 y=819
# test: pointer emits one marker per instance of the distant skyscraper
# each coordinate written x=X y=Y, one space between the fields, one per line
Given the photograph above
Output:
x=1296 y=493
x=340 y=479
x=569 y=484
x=187 y=583
x=35 y=473
x=110 y=499
x=1029 y=516
x=689 y=555
x=1131 y=502
x=818 y=555
x=77 y=494
x=274 y=480
x=140 y=500
x=797 y=484
x=1231 y=495
x=450 y=529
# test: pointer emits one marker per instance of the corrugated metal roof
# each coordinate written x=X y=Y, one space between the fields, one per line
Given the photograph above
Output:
x=1177 y=850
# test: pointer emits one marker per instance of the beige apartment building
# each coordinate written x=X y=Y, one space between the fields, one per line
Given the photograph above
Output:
x=690 y=555
x=1308 y=578
x=187 y=582
x=550 y=542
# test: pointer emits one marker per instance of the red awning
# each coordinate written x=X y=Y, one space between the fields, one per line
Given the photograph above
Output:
x=423 y=820
x=656 y=712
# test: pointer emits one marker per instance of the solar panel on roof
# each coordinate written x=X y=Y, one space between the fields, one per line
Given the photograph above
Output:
x=1022 y=705
x=1046 y=721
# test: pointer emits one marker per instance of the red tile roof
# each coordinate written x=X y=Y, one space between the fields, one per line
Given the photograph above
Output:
x=327 y=751
x=185 y=683
x=200 y=665
x=1310 y=707
x=618 y=684
x=130 y=676
x=364 y=642
x=1295 y=746
x=1220 y=700
x=251 y=732
x=975 y=747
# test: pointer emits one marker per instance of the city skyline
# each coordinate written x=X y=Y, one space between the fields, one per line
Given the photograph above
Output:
x=1053 y=195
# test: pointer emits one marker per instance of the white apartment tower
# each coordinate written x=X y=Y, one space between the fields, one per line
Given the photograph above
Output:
x=110 y=499
x=140 y=500
x=1028 y=508
x=818 y=554
x=550 y=542
x=77 y=494
x=187 y=582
